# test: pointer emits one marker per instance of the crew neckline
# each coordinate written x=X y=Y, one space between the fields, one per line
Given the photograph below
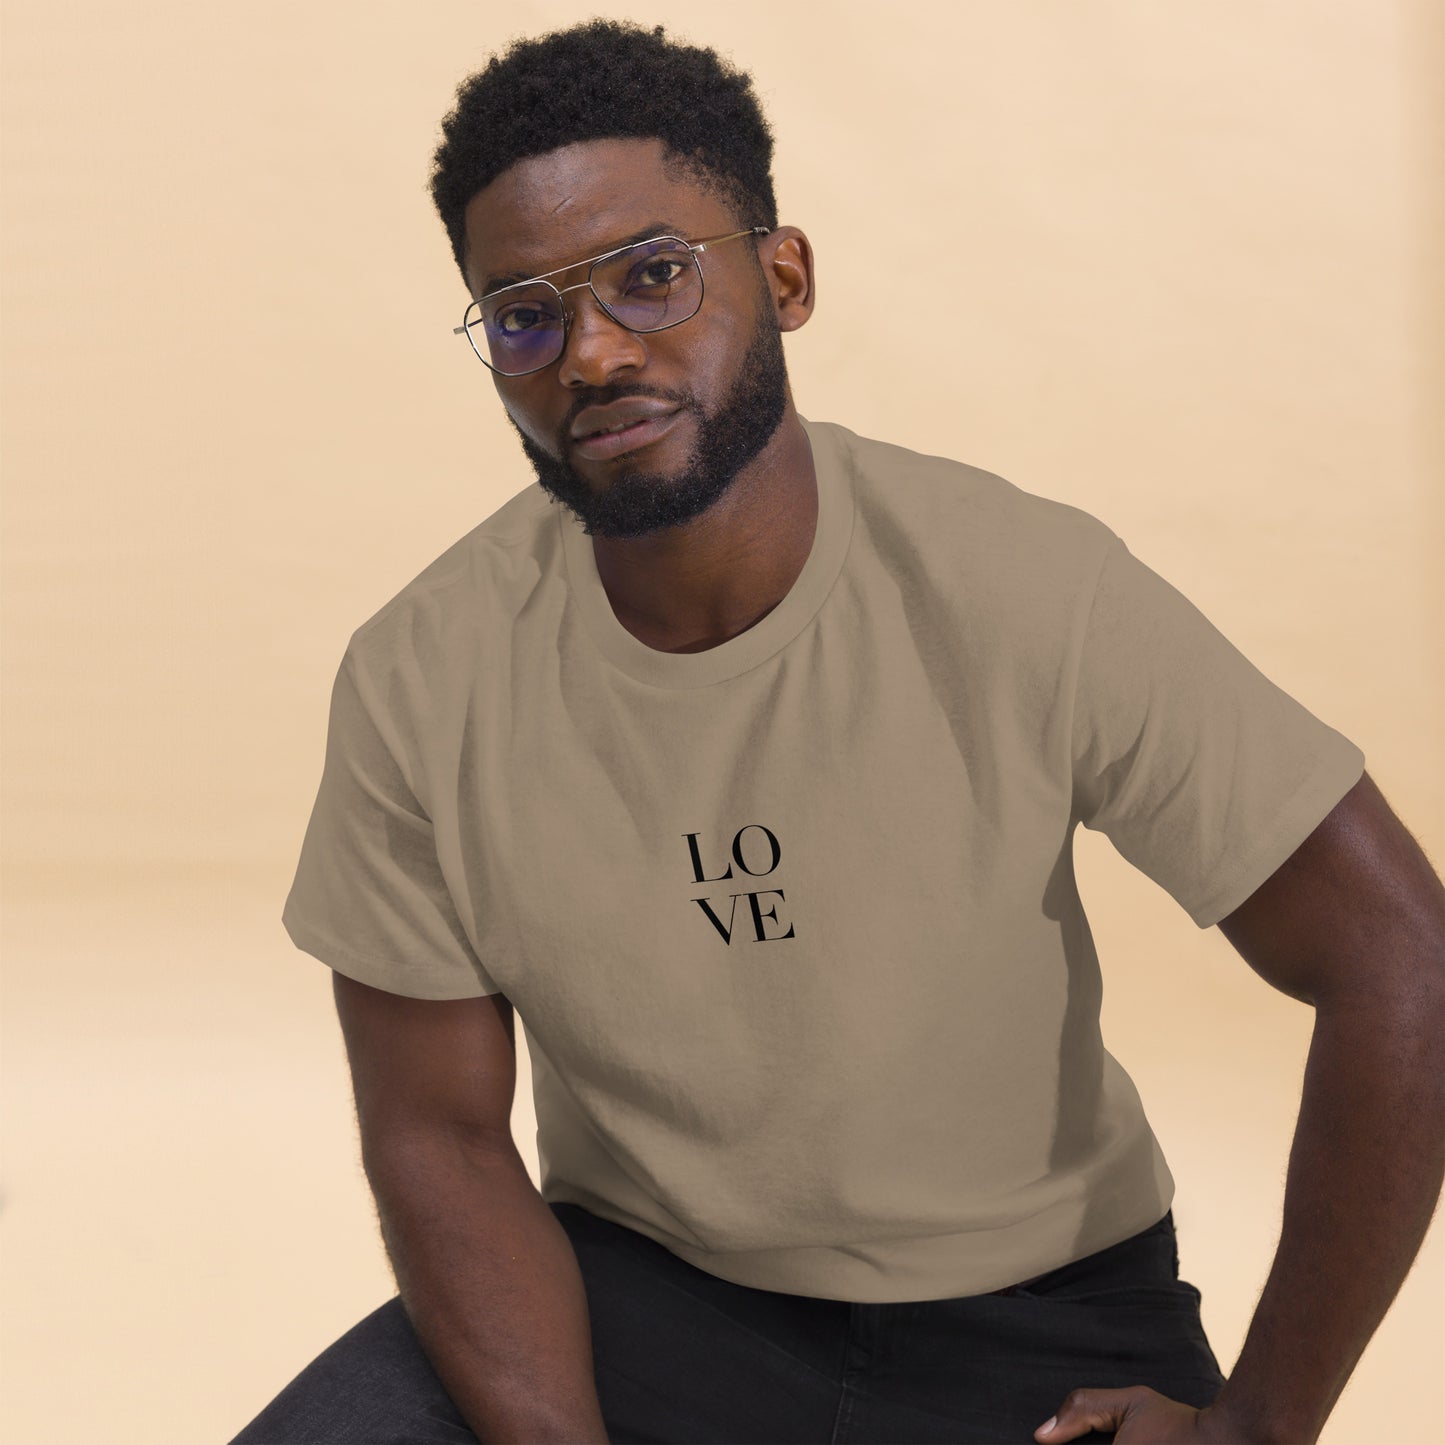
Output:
x=831 y=534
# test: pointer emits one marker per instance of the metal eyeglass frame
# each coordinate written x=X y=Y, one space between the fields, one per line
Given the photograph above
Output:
x=592 y=263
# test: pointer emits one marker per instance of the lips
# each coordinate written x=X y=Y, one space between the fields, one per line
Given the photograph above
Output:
x=603 y=446
x=604 y=418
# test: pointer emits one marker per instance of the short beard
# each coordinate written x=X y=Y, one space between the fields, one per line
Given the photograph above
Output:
x=634 y=502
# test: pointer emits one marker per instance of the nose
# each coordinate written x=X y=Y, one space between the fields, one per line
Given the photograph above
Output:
x=597 y=346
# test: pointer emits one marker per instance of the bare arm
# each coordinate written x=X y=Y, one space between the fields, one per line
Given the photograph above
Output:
x=1353 y=924
x=487 y=1276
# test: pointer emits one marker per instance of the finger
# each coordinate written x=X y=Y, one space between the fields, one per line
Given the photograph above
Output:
x=1085 y=1410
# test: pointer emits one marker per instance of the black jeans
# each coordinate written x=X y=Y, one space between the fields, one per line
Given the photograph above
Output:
x=682 y=1356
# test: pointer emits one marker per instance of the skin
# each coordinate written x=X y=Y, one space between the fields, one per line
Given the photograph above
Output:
x=700 y=535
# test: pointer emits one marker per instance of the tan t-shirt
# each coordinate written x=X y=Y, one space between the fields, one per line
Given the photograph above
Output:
x=791 y=923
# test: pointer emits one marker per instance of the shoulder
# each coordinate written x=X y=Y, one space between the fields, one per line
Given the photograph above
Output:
x=944 y=513
x=446 y=609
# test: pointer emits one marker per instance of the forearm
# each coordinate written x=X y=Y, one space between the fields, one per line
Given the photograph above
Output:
x=1365 y=1172
x=491 y=1284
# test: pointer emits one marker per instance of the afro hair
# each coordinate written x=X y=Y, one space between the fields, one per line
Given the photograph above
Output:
x=602 y=79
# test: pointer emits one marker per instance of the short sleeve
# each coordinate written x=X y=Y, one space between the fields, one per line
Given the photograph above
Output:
x=369 y=897
x=1202 y=772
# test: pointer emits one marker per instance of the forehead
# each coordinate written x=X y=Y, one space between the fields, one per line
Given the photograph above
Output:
x=577 y=201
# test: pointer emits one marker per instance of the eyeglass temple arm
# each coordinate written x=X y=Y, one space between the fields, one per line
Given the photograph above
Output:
x=717 y=241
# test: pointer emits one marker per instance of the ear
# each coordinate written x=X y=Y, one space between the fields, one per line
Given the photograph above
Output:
x=787 y=258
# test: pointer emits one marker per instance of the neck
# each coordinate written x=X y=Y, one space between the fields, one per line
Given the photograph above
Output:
x=690 y=588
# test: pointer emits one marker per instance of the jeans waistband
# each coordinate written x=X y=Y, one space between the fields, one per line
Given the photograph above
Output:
x=1162 y=1226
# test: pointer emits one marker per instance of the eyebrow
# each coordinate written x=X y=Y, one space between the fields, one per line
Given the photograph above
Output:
x=657 y=228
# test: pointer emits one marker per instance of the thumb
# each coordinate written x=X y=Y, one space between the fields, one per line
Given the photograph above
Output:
x=1085 y=1410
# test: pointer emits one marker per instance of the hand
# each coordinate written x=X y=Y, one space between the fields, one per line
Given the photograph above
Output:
x=1139 y=1416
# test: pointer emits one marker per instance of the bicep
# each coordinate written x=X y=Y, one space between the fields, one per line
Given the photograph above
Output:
x=1356 y=911
x=420 y=1067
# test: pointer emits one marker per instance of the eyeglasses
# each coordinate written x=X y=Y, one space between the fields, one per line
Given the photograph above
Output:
x=647 y=286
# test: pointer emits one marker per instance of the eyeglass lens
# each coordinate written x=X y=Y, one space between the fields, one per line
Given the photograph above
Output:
x=647 y=287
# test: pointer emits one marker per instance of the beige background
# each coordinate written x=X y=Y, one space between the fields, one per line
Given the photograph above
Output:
x=1187 y=261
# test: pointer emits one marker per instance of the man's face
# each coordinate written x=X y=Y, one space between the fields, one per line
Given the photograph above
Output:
x=723 y=369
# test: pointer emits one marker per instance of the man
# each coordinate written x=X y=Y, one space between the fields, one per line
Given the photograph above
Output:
x=742 y=754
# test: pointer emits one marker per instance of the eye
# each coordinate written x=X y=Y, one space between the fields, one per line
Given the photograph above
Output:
x=516 y=319
x=655 y=273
